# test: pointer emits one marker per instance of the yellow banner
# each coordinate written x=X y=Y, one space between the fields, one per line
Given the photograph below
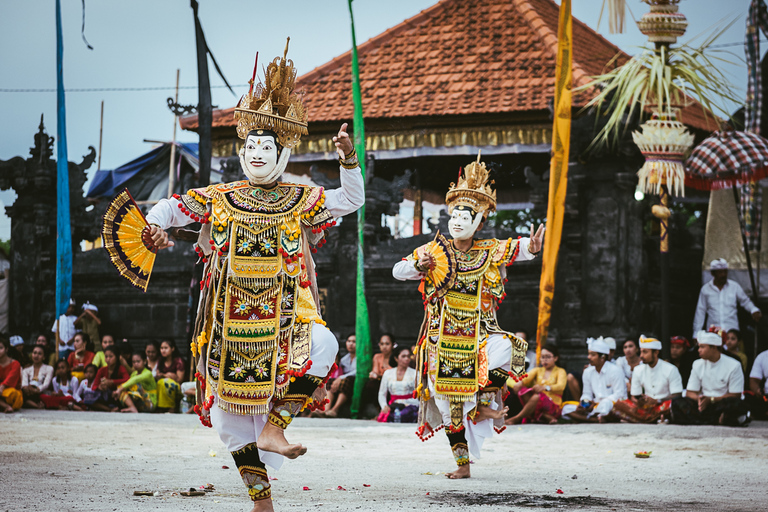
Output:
x=558 y=172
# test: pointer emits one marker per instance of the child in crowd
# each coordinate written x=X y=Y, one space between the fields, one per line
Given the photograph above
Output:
x=170 y=374
x=106 y=341
x=138 y=393
x=89 y=323
x=81 y=357
x=88 y=396
x=108 y=379
x=734 y=348
x=36 y=379
x=11 y=398
x=65 y=388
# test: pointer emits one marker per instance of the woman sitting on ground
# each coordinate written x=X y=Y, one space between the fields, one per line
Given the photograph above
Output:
x=399 y=383
x=11 y=398
x=106 y=341
x=152 y=353
x=629 y=360
x=170 y=375
x=107 y=380
x=541 y=392
x=36 y=379
x=81 y=357
x=65 y=388
x=734 y=348
x=139 y=393
x=381 y=361
x=340 y=389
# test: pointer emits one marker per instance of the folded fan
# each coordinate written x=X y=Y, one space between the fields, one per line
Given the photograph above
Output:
x=125 y=233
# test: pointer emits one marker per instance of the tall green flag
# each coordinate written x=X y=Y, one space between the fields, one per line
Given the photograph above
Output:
x=362 y=328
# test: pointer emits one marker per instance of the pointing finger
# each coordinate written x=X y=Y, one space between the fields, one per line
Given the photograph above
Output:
x=343 y=127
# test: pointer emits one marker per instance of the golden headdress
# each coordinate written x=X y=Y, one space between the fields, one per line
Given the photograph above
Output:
x=272 y=105
x=473 y=189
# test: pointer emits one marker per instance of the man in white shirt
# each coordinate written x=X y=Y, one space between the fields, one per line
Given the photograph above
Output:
x=714 y=388
x=64 y=329
x=758 y=385
x=719 y=298
x=654 y=385
x=603 y=385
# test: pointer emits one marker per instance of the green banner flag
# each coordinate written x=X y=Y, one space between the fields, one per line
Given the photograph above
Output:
x=362 y=328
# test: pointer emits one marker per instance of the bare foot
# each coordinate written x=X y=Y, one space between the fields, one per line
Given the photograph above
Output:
x=263 y=506
x=331 y=414
x=129 y=409
x=272 y=439
x=7 y=409
x=514 y=420
x=461 y=472
x=484 y=412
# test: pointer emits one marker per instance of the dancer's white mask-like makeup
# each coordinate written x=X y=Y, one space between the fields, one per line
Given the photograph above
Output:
x=461 y=225
x=259 y=160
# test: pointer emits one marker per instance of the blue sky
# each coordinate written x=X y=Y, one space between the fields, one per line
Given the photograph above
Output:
x=141 y=43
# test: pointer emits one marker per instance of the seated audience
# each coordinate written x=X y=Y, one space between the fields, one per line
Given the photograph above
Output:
x=53 y=356
x=106 y=341
x=714 y=389
x=36 y=379
x=381 y=360
x=170 y=375
x=758 y=386
x=17 y=351
x=611 y=342
x=11 y=398
x=125 y=349
x=682 y=354
x=541 y=392
x=396 y=390
x=89 y=322
x=603 y=386
x=87 y=395
x=65 y=388
x=654 y=385
x=734 y=347
x=139 y=392
x=107 y=380
x=64 y=331
x=340 y=389
x=152 y=351
x=629 y=360
x=81 y=356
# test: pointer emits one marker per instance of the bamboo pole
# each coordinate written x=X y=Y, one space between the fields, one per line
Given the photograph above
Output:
x=101 y=132
x=172 y=167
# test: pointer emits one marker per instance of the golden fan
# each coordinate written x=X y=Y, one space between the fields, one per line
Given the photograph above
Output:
x=125 y=234
x=443 y=274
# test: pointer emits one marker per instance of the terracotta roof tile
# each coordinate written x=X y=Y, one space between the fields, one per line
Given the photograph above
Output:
x=457 y=58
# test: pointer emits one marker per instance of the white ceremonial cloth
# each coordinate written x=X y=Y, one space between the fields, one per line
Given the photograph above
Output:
x=625 y=368
x=67 y=332
x=44 y=377
x=719 y=306
x=607 y=384
x=389 y=383
x=716 y=379
x=339 y=202
x=760 y=369
x=658 y=381
x=238 y=431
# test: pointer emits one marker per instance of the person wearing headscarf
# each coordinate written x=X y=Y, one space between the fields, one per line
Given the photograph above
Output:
x=654 y=385
x=719 y=300
x=603 y=385
x=714 y=389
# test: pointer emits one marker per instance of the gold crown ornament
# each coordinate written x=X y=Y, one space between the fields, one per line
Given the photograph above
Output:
x=473 y=189
x=273 y=105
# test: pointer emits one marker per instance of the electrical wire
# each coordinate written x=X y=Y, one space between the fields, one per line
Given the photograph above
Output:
x=121 y=89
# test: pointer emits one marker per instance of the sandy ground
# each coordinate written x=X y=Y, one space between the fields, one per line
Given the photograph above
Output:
x=69 y=461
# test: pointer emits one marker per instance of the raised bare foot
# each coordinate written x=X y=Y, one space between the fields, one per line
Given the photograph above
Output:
x=272 y=439
x=484 y=412
x=461 y=472
x=514 y=420
x=263 y=506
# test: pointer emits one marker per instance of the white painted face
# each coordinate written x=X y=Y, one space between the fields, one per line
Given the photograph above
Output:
x=258 y=157
x=461 y=225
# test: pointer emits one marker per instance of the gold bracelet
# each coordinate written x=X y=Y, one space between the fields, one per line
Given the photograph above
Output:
x=354 y=164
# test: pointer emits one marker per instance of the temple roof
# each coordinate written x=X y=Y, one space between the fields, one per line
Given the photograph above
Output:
x=458 y=58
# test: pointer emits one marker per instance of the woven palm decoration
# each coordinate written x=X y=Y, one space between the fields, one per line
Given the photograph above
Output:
x=125 y=234
x=443 y=275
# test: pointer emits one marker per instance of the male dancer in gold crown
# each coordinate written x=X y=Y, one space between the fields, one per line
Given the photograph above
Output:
x=463 y=356
x=263 y=350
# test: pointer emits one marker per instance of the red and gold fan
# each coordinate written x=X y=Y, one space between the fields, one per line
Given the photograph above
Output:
x=125 y=234
x=443 y=274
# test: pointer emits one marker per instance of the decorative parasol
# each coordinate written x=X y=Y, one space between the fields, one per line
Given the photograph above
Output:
x=125 y=234
x=443 y=274
x=730 y=159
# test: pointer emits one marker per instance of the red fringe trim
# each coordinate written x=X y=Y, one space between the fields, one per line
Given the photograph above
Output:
x=721 y=182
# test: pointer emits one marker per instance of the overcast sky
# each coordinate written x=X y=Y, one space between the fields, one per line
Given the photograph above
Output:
x=141 y=43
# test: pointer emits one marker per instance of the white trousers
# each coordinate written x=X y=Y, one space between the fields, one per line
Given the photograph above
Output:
x=237 y=431
x=499 y=351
